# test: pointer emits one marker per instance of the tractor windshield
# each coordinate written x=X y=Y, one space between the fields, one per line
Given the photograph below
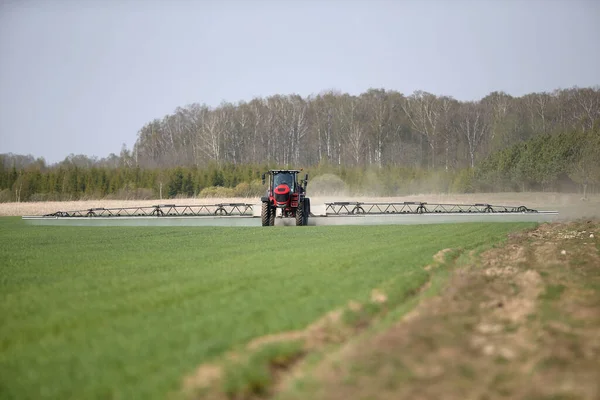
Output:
x=284 y=178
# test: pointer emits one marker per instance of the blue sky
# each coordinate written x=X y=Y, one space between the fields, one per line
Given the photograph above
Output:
x=84 y=76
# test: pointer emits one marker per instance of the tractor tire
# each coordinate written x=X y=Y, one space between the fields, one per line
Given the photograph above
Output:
x=265 y=214
x=272 y=216
x=301 y=215
x=306 y=210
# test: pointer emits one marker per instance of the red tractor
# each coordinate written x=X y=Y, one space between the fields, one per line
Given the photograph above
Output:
x=287 y=194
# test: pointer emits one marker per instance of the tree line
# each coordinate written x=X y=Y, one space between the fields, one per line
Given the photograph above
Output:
x=567 y=161
x=545 y=162
x=72 y=181
x=380 y=142
x=376 y=128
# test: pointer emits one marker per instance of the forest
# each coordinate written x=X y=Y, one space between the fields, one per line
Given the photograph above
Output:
x=379 y=142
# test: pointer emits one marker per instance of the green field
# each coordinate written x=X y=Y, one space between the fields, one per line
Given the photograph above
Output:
x=126 y=312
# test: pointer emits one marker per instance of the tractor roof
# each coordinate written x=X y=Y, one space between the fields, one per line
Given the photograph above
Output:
x=277 y=171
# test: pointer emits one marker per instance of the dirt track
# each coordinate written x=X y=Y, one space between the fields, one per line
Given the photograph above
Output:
x=569 y=205
x=521 y=321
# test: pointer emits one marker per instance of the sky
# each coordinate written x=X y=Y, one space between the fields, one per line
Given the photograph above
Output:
x=82 y=77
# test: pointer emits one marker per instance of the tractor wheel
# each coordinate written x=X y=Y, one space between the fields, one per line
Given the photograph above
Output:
x=300 y=215
x=272 y=216
x=265 y=213
x=306 y=210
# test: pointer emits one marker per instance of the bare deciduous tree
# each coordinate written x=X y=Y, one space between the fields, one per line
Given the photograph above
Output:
x=424 y=110
x=472 y=122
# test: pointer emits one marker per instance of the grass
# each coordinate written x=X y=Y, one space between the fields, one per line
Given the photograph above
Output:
x=254 y=376
x=126 y=312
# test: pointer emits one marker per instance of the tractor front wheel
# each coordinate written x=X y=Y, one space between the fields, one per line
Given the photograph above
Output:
x=306 y=210
x=301 y=214
x=265 y=214
x=272 y=216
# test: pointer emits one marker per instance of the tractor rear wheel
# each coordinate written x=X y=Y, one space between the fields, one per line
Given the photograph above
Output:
x=300 y=215
x=265 y=214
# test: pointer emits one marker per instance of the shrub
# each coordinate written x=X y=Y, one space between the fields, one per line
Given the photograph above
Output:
x=463 y=182
x=6 y=196
x=216 y=192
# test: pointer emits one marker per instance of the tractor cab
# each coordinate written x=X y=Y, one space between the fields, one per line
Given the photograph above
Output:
x=284 y=178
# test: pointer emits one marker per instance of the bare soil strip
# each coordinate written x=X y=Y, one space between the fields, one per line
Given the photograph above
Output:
x=520 y=322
